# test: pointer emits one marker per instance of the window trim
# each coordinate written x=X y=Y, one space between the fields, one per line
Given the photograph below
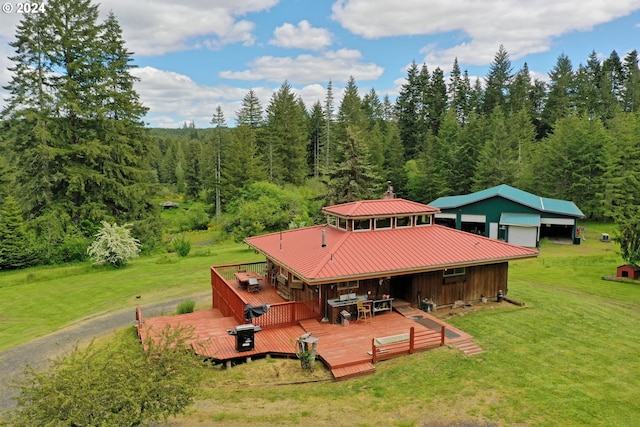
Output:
x=390 y=219
x=359 y=220
x=409 y=217
x=429 y=221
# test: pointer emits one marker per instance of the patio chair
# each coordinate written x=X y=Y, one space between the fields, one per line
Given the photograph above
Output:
x=364 y=311
x=254 y=285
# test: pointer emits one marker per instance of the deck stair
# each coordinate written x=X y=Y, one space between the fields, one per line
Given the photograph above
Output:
x=352 y=370
x=468 y=347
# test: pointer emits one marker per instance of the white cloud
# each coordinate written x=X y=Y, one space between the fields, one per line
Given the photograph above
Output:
x=155 y=27
x=306 y=69
x=523 y=26
x=303 y=36
x=174 y=98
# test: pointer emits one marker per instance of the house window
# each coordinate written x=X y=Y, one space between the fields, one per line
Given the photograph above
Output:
x=352 y=284
x=460 y=271
x=332 y=220
x=453 y=275
x=342 y=223
x=283 y=276
x=382 y=223
x=423 y=220
x=361 y=224
x=296 y=283
x=403 y=221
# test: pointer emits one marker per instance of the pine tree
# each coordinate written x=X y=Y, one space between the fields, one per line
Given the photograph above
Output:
x=497 y=162
x=76 y=122
x=560 y=100
x=15 y=245
x=350 y=111
x=393 y=163
x=572 y=166
x=329 y=124
x=213 y=158
x=193 y=176
x=317 y=135
x=498 y=82
x=285 y=133
x=408 y=106
x=622 y=175
x=353 y=179
x=437 y=100
x=471 y=141
x=372 y=108
x=458 y=90
x=631 y=78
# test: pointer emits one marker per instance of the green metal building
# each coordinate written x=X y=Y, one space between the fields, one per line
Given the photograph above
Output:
x=510 y=214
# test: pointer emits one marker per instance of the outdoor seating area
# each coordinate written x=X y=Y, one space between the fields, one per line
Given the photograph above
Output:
x=347 y=349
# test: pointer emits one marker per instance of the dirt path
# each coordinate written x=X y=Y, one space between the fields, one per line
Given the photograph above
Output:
x=39 y=352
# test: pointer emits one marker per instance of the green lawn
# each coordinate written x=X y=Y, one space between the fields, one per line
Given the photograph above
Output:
x=569 y=357
x=36 y=301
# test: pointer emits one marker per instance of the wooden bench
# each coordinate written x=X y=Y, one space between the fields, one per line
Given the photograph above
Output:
x=383 y=348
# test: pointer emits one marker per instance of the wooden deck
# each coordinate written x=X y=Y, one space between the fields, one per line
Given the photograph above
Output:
x=346 y=350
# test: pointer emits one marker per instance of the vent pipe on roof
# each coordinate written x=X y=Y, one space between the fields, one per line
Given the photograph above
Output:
x=324 y=242
x=281 y=241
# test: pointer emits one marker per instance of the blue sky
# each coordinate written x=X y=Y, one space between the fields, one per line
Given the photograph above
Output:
x=194 y=55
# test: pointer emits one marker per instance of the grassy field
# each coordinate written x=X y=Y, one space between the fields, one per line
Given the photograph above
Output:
x=37 y=301
x=569 y=357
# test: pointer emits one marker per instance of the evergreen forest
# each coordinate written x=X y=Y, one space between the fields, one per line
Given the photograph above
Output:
x=74 y=150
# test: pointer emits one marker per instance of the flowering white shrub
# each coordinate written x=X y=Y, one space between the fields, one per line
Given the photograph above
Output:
x=114 y=245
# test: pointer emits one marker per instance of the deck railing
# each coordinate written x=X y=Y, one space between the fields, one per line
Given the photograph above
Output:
x=285 y=313
x=383 y=348
x=230 y=303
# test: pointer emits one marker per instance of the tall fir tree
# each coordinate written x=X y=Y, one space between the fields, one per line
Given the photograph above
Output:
x=436 y=100
x=327 y=150
x=316 y=138
x=458 y=91
x=408 y=109
x=353 y=178
x=560 y=100
x=622 y=175
x=631 y=79
x=572 y=163
x=15 y=245
x=285 y=134
x=497 y=161
x=498 y=82
x=218 y=143
x=78 y=143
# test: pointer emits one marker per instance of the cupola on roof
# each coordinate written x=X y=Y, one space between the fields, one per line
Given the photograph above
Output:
x=379 y=207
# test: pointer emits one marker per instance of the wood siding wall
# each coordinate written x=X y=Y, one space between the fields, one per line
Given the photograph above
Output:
x=478 y=281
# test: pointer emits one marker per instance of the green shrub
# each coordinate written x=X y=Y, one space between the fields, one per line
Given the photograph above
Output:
x=186 y=306
x=74 y=390
x=196 y=219
x=181 y=245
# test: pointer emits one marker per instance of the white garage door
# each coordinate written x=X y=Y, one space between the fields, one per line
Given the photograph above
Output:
x=523 y=236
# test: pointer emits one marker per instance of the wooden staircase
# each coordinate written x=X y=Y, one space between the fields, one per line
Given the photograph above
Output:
x=468 y=347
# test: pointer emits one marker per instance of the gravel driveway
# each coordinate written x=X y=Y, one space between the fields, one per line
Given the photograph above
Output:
x=39 y=352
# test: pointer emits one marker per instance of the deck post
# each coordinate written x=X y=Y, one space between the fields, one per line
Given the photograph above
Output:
x=444 y=329
x=412 y=335
x=373 y=350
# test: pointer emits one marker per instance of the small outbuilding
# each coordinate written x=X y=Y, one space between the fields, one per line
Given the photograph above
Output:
x=510 y=214
x=629 y=271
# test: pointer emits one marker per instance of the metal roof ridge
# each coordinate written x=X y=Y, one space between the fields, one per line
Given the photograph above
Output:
x=329 y=256
x=355 y=207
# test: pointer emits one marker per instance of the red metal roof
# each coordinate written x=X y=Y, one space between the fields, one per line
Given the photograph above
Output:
x=380 y=252
x=380 y=207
